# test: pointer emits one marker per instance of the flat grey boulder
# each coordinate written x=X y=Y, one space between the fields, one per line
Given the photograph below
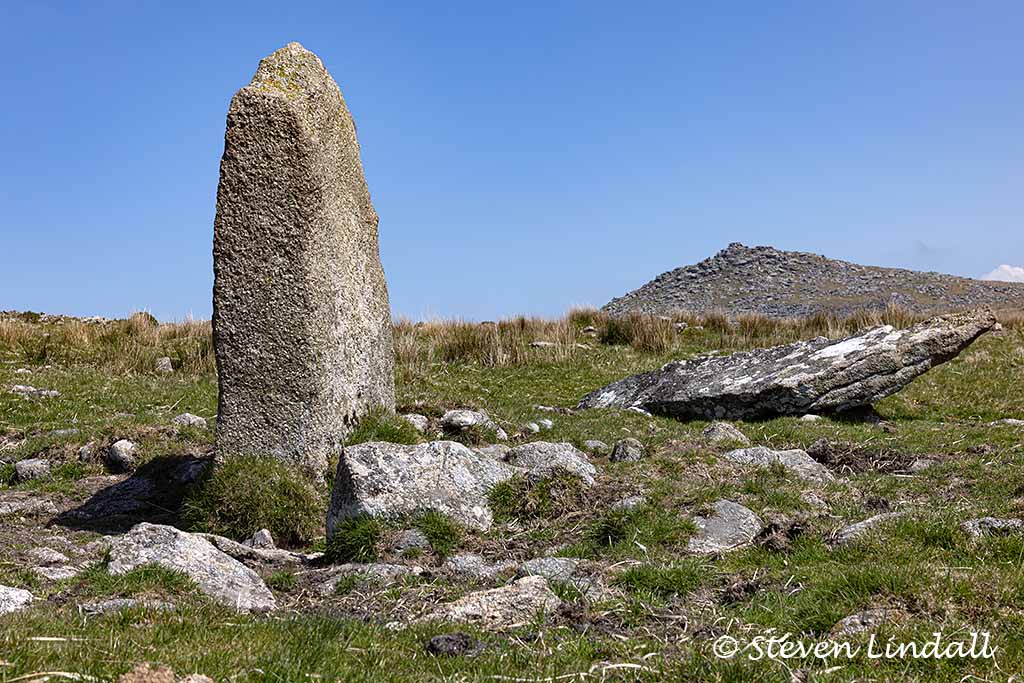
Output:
x=498 y=609
x=458 y=421
x=731 y=526
x=14 y=599
x=387 y=480
x=31 y=468
x=992 y=526
x=723 y=432
x=627 y=450
x=473 y=566
x=218 y=575
x=189 y=420
x=542 y=459
x=815 y=376
x=795 y=460
x=853 y=532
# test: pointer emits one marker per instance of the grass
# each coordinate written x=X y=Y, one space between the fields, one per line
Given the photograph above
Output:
x=667 y=609
x=355 y=539
x=245 y=494
x=379 y=425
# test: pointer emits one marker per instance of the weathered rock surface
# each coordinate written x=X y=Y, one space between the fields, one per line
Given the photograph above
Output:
x=597 y=447
x=731 y=526
x=301 y=320
x=853 y=532
x=794 y=379
x=32 y=392
x=376 y=572
x=119 y=604
x=223 y=578
x=866 y=620
x=419 y=422
x=255 y=557
x=120 y=456
x=14 y=599
x=542 y=459
x=473 y=566
x=787 y=284
x=385 y=480
x=31 y=468
x=795 y=460
x=189 y=420
x=458 y=421
x=723 y=432
x=992 y=526
x=627 y=450
x=503 y=608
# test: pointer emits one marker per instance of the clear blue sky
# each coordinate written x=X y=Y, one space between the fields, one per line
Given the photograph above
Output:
x=526 y=156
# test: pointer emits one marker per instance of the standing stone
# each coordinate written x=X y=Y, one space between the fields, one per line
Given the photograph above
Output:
x=301 y=320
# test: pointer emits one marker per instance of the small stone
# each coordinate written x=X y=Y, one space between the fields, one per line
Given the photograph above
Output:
x=496 y=451
x=1007 y=421
x=262 y=540
x=627 y=450
x=503 y=608
x=410 y=539
x=731 y=526
x=121 y=456
x=473 y=566
x=628 y=503
x=589 y=329
x=546 y=409
x=866 y=620
x=546 y=424
x=56 y=573
x=542 y=459
x=795 y=460
x=189 y=420
x=922 y=464
x=531 y=428
x=14 y=599
x=596 y=447
x=419 y=422
x=46 y=556
x=375 y=572
x=450 y=645
x=118 y=604
x=860 y=529
x=551 y=568
x=86 y=452
x=32 y=392
x=810 y=417
x=724 y=432
x=992 y=526
x=543 y=344
x=30 y=469
x=62 y=433
x=22 y=371
x=163 y=365
x=457 y=421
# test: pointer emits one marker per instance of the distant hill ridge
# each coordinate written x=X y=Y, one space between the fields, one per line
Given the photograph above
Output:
x=784 y=284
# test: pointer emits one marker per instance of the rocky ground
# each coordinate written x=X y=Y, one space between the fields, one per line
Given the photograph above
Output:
x=607 y=544
x=786 y=284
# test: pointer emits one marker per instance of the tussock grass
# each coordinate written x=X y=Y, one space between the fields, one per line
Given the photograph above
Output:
x=245 y=494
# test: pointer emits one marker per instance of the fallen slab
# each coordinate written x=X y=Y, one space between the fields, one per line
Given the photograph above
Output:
x=815 y=376
x=498 y=609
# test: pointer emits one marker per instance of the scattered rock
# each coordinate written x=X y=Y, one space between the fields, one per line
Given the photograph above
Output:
x=551 y=568
x=46 y=557
x=410 y=539
x=121 y=456
x=32 y=468
x=218 y=575
x=419 y=422
x=472 y=566
x=628 y=503
x=302 y=326
x=543 y=344
x=1008 y=421
x=724 y=432
x=596 y=447
x=451 y=645
x=796 y=461
x=866 y=620
x=730 y=527
x=387 y=480
x=14 y=599
x=145 y=673
x=27 y=506
x=531 y=428
x=163 y=365
x=32 y=392
x=189 y=420
x=254 y=557
x=496 y=451
x=589 y=329
x=119 y=604
x=811 y=417
x=627 y=450
x=546 y=424
x=542 y=459
x=813 y=376
x=458 y=421
x=921 y=464
x=992 y=526
x=858 y=530
x=56 y=573
x=262 y=540
x=501 y=608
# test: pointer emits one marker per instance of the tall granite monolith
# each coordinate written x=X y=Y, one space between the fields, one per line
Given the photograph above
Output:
x=301 y=321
